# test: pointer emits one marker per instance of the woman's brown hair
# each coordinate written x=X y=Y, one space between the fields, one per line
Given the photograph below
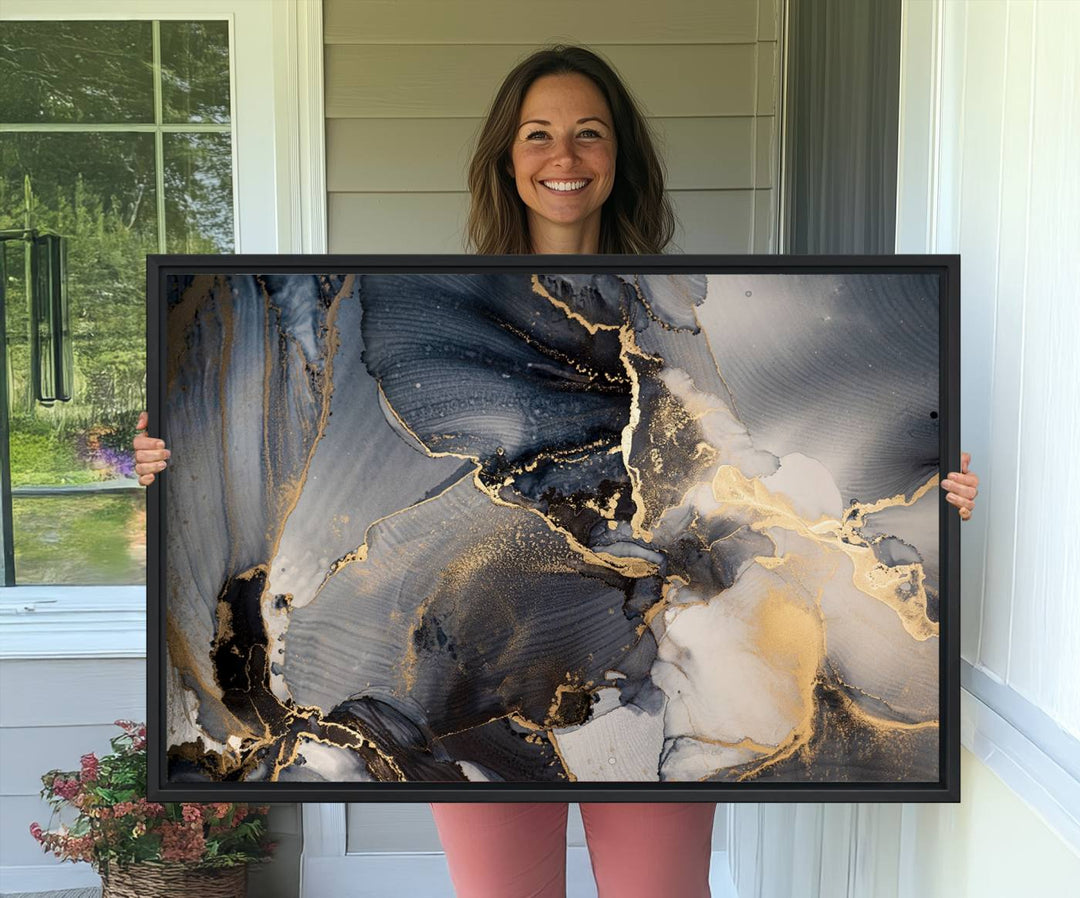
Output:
x=637 y=216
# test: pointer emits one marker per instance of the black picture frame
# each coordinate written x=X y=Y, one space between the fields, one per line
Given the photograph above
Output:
x=945 y=269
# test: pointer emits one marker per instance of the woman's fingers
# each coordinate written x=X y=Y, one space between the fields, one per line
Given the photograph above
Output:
x=961 y=487
x=960 y=501
x=963 y=506
x=150 y=453
x=966 y=485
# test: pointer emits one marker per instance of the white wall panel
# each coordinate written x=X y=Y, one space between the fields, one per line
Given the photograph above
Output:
x=1012 y=224
x=1046 y=612
x=1005 y=185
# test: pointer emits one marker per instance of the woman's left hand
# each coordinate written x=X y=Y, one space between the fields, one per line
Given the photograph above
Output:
x=961 y=487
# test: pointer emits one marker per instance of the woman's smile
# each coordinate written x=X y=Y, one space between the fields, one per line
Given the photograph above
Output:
x=562 y=186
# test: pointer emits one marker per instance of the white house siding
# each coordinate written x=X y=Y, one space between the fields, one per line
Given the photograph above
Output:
x=408 y=82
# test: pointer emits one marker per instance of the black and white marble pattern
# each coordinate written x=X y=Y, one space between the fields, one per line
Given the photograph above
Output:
x=552 y=528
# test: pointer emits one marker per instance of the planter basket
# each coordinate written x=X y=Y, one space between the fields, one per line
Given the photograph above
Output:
x=174 y=881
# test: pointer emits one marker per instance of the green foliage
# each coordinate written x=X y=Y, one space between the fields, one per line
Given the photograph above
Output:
x=81 y=538
x=41 y=458
x=116 y=824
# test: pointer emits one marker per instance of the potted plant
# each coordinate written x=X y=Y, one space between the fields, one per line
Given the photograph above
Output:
x=144 y=848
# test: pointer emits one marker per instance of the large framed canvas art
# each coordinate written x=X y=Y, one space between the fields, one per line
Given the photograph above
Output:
x=549 y=527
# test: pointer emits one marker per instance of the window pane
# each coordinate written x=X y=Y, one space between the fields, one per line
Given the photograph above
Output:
x=81 y=539
x=76 y=72
x=195 y=71
x=75 y=520
x=81 y=182
x=198 y=193
x=98 y=191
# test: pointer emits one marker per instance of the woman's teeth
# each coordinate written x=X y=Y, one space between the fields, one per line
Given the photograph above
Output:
x=564 y=186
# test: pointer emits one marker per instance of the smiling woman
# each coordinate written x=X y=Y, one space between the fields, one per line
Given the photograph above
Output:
x=563 y=116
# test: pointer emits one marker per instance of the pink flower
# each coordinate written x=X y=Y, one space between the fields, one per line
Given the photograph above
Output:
x=89 y=767
x=65 y=788
x=181 y=842
x=150 y=808
x=192 y=813
x=36 y=832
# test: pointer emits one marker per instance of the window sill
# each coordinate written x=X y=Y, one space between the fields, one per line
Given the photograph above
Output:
x=73 y=622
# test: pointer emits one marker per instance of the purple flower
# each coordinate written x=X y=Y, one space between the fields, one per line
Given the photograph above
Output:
x=119 y=462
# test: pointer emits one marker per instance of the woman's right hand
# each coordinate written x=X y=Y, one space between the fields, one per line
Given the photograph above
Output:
x=150 y=453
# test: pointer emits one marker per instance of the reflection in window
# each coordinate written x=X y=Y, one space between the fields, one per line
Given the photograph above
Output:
x=118 y=136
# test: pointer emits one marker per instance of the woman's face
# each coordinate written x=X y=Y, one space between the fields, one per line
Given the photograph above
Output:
x=563 y=154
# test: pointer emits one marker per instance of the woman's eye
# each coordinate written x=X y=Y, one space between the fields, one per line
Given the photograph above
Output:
x=589 y=132
x=536 y=134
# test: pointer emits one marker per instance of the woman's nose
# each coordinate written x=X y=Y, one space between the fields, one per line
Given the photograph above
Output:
x=564 y=150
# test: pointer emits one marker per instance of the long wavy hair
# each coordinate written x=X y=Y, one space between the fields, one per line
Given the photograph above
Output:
x=637 y=216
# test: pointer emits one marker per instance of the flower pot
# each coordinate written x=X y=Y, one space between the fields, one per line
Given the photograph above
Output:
x=172 y=880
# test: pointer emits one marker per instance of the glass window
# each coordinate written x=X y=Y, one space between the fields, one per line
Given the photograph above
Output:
x=76 y=72
x=118 y=137
x=195 y=71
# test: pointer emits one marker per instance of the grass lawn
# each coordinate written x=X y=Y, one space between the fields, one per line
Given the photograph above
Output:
x=81 y=539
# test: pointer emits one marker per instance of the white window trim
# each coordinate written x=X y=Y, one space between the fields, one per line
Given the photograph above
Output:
x=280 y=205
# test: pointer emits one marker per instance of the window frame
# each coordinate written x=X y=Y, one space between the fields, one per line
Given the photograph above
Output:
x=279 y=206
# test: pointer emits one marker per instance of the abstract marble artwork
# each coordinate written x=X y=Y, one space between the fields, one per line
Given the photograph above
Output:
x=550 y=529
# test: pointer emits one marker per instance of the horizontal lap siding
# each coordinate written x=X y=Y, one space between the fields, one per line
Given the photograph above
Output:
x=398 y=153
x=460 y=80
x=408 y=83
x=52 y=712
x=477 y=22
x=709 y=221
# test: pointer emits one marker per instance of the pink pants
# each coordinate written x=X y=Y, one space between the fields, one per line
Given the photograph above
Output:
x=519 y=850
